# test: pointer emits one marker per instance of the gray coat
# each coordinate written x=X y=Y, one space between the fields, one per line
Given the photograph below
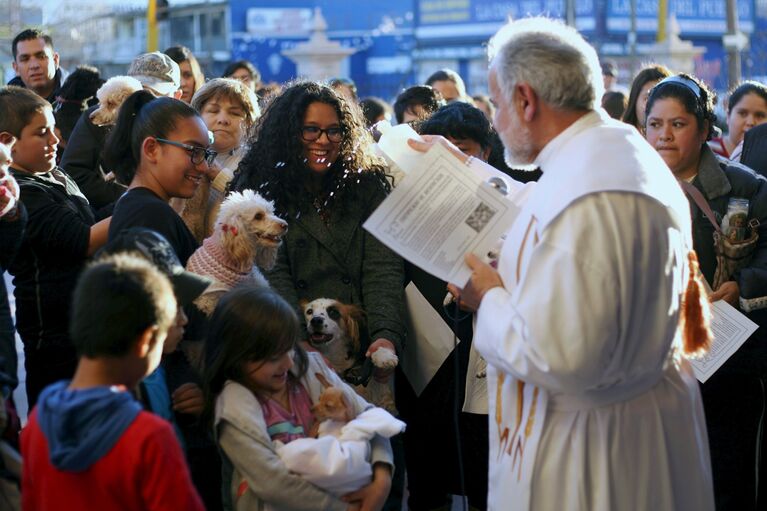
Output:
x=344 y=262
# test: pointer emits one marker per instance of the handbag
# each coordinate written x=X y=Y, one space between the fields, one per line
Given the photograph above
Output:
x=731 y=255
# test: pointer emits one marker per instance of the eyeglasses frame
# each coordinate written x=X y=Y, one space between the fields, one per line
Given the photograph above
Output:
x=209 y=155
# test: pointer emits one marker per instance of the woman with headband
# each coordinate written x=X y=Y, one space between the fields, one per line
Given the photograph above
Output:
x=724 y=199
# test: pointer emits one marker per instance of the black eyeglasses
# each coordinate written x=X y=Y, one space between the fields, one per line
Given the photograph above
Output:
x=196 y=154
x=312 y=133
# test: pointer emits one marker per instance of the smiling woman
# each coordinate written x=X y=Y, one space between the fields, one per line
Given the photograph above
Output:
x=160 y=149
x=312 y=155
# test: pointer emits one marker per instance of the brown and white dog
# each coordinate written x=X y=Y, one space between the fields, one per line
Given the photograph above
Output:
x=334 y=330
x=245 y=239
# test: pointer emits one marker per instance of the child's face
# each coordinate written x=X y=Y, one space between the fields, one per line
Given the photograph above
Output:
x=226 y=119
x=35 y=150
x=268 y=377
x=174 y=174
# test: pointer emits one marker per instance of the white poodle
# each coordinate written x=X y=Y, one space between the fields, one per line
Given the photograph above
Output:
x=111 y=97
x=245 y=238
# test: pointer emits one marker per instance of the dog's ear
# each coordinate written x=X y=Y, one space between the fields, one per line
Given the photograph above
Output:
x=235 y=240
x=350 y=316
x=302 y=303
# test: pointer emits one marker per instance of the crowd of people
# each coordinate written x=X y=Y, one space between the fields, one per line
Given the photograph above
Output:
x=628 y=228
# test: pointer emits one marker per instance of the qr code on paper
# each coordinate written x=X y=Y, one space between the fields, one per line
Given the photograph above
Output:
x=480 y=217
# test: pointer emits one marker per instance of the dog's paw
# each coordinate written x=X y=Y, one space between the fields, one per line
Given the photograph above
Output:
x=384 y=358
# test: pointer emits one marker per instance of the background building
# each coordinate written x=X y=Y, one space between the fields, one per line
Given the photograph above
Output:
x=397 y=43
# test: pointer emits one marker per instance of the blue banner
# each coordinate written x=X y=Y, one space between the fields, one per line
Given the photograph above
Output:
x=442 y=12
x=695 y=17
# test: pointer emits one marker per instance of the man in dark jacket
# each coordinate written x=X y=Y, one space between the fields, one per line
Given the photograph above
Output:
x=36 y=64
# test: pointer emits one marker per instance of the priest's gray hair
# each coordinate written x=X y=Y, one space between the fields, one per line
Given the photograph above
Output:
x=552 y=58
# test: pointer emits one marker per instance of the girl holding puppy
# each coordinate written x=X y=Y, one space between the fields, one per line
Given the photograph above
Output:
x=260 y=385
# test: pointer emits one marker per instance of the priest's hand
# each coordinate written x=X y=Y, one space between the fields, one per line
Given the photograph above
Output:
x=430 y=140
x=483 y=278
x=728 y=291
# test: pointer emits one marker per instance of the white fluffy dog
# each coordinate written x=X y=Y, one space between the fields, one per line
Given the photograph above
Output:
x=245 y=238
x=334 y=330
x=111 y=97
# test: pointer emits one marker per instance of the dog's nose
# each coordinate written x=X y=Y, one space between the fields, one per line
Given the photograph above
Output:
x=284 y=227
x=316 y=322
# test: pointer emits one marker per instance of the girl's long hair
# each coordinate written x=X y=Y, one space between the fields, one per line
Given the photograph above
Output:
x=275 y=165
x=249 y=324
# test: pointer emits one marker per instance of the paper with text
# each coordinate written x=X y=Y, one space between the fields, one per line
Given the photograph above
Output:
x=439 y=213
x=730 y=329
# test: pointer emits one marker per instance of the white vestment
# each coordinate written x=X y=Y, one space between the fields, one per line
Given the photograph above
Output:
x=588 y=407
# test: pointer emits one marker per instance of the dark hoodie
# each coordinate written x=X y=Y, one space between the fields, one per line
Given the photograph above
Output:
x=81 y=426
x=58 y=79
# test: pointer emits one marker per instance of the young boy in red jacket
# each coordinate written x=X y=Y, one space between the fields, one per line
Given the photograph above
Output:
x=88 y=444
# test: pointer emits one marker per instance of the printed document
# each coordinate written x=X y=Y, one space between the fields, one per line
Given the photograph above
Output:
x=440 y=212
x=730 y=329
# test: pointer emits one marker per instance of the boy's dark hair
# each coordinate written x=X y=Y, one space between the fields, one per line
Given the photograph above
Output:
x=28 y=35
x=459 y=120
x=418 y=95
x=242 y=64
x=614 y=102
x=445 y=75
x=116 y=299
x=250 y=323
x=141 y=116
x=17 y=107
x=372 y=109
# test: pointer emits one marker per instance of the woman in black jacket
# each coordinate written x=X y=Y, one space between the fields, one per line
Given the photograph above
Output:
x=679 y=122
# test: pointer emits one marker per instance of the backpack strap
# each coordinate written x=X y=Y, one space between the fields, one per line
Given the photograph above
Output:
x=698 y=198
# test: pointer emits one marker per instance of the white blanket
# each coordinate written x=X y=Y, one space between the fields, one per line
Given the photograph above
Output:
x=340 y=464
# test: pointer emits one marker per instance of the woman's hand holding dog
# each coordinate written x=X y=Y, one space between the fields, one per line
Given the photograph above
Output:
x=373 y=496
x=189 y=399
x=380 y=374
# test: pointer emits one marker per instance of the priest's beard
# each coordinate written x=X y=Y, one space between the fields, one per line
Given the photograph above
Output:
x=519 y=150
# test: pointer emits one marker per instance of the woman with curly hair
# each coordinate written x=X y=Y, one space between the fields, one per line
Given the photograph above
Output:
x=312 y=156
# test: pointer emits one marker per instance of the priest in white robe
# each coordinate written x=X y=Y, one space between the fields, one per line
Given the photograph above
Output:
x=592 y=405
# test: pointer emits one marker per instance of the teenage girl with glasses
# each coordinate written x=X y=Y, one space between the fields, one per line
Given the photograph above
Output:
x=160 y=148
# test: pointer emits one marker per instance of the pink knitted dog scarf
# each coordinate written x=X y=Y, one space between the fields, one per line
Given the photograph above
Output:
x=212 y=260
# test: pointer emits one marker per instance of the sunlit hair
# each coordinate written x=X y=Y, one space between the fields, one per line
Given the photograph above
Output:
x=552 y=58
x=650 y=73
x=236 y=92
x=275 y=165
x=699 y=103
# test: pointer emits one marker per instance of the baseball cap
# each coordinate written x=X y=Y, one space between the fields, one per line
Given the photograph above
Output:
x=156 y=71
x=153 y=246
